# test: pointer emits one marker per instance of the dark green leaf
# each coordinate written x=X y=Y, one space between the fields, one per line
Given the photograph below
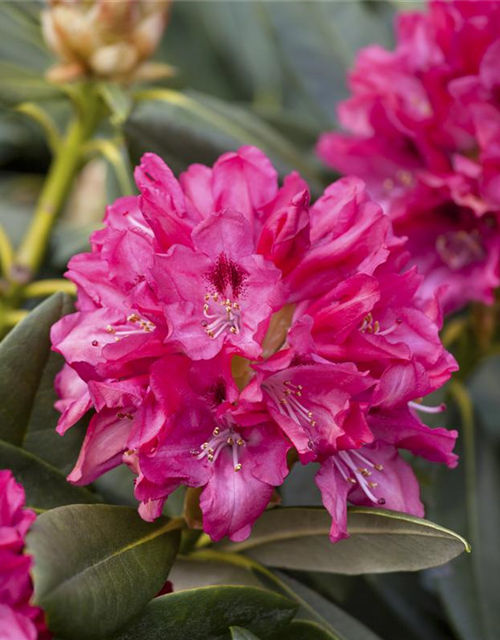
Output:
x=469 y=500
x=117 y=100
x=190 y=573
x=252 y=60
x=21 y=39
x=27 y=415
x=317 y=609
x=46 y=487
x=237 y=633
x=380 y=541
x=192 y=127
x=307 y=630
x=317 y=42
x=208 y=613
x=96 y=566
x=483 y=386
x=19 y=85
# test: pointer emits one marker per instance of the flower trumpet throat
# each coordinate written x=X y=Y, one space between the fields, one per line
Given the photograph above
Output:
x=108 y=39
x=226 y=325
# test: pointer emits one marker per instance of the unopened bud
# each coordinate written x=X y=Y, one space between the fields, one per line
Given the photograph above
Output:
x=109 y=39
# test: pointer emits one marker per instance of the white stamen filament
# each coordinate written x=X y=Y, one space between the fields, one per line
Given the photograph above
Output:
x=369 y=325
x=221 y=439
x=346 y=466
x=424 y=409
x=285 y=396
x=225 y=316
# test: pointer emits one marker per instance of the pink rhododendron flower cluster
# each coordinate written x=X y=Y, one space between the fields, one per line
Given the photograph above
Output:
x=423 y=129
x=19 y=620
x=224 y=321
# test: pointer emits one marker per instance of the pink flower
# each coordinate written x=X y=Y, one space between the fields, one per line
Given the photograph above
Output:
x=19 y=620
x=204 y=445
x=222 y=321
x=424 y=132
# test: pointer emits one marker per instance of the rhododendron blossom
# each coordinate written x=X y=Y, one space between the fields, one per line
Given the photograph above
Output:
x=423 y=130
x=19 y=620
x=227 y=327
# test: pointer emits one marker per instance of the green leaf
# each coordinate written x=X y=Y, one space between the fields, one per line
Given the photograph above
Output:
x=27 y=415
x=118 y=101
x=21 y=39
x=307 y=630
x=45 y=486
x=208 y=613
x=380 y=541
x=96 y=566
x=190 y=573
x=238 y=633
x=253 y=60
x=317 y=42
x=468 y=499
x=406 y=597
x=193 y=127
x=483 y=386
x=316 y=609
x=20 y=85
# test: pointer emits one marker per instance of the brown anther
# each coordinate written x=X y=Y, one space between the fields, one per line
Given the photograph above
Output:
x=312 y=423
x=283 y=401
x=211 y=451
x=236 y=306
x=240 y=442
x=204 y=446
x=110 y=329
x=298 y=394
x=210 y=457
x=379 y=467
x=133 y=317
x=310 y=414
x=120 y=415
x=205 y=307
x=210 y=334
x=351 y=480
x=232 y=330
x=300 y=387
x=238 y=467
x=216 y=431
x=230 y=441
x=373 y=485
x=207 y=298
x=376 y=326
x=364 y=472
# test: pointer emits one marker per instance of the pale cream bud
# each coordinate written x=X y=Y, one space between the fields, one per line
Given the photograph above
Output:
x=110 y=39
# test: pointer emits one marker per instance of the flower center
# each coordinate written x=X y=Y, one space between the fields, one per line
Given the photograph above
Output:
x=369 y=325
x=349 y=465
x=460 y=249
x=221 y=315
x=286 y=396
x=221 y=438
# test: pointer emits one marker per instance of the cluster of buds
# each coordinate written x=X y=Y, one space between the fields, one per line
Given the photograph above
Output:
x=109 y=39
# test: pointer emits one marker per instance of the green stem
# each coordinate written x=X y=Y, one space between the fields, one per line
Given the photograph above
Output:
x=59 y=180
